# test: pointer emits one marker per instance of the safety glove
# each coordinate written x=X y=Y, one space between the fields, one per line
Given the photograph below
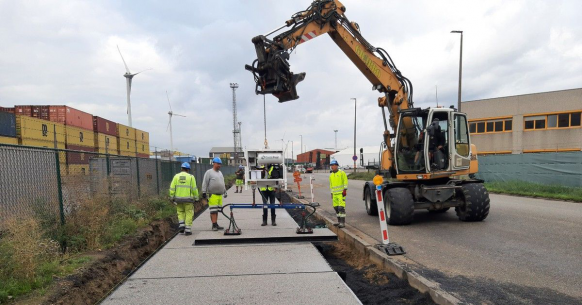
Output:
x=344 y=193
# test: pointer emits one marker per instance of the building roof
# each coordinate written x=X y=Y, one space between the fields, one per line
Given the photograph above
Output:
x=221 y=149
x=499 y=97
x=325 y=151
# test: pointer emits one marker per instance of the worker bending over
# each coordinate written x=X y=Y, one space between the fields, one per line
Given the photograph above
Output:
x=213 y=188
x=338 y=184
x=240 y=175
x=183 y=193
x=268 y=194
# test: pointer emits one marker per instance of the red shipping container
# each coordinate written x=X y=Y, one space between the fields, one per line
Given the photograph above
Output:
x=9 y=110
x=23 y=110
x=71 y=116
x=143 y=156
x=44 y=112
x=80 y=157
x=102 y=125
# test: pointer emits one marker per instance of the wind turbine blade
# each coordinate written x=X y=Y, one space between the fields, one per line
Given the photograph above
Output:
x=179 y=115
x=126 y=67
x=168 y=100
x=142 y=71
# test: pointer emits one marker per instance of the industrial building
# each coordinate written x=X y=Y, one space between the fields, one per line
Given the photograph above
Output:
x=319 y=157
x=368 y=156
x=227 y=155
x=528 y=123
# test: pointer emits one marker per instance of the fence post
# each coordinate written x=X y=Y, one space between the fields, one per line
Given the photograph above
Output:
x=157 y=177
x=59 y=188
x=138 y=182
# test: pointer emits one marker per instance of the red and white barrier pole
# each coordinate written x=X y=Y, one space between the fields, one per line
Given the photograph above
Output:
x=387 y=246
x=311 y=185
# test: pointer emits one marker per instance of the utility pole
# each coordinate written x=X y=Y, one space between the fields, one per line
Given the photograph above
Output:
x=460 y=68
x=355 y=156
x=301 y=143
x=335 y=131
x=265 y=121
x=292 y=159
x=235 y=131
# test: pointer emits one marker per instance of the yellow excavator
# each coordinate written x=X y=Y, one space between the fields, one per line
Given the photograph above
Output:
x=431 y=148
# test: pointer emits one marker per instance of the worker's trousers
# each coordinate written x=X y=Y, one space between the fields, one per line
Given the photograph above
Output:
x=339 y=204
x=270 y=196
x=185 y=215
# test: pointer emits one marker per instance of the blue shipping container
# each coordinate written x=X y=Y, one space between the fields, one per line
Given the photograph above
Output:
x=7 y=124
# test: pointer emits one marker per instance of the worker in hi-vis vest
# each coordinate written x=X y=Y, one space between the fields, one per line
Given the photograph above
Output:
x=338 y=184
x=268 y=195
x=183 y=193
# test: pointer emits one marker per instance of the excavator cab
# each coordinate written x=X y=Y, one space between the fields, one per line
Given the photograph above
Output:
x=272 y=72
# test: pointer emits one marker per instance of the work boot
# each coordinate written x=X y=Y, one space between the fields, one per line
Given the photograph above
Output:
x=219 y=227
x=214 y=227
x=264 y=221
x=342 y=222
x=337 y=223
x=181 y=230
x=273 y=223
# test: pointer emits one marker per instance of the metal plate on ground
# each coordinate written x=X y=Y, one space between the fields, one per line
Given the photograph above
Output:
x=263 y=236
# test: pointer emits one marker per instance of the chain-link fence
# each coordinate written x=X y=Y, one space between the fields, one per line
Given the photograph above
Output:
x=50 y=183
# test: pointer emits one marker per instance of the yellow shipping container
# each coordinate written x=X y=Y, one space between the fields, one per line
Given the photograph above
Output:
x=105 y=143
x=8 y=140
x=79 y=136
x=78 y=169
x=142 y=147
x=127 y=154
x=37 y=129
x=40 y=143
x=126 y=145
x=142 y=136
x=125 y=132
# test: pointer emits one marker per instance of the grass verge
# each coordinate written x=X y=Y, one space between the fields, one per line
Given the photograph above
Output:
x=530 y=189
x=367 y=176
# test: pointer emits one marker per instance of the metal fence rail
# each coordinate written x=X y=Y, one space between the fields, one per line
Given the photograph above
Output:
x=51 y=182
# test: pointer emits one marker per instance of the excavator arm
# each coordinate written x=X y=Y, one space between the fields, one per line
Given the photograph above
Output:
x=272 y=72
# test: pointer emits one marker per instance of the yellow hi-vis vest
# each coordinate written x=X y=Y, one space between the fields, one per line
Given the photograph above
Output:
x=183 y=188
x=270 y=188
x=338 y=182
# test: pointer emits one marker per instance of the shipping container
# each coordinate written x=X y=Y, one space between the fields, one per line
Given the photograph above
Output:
x=80 y=136
x=40 y=112
x=127 y=154
x=142 y=136
x=104 y=126
x=142 y=147
x=78 y=169
x=106 y=144
x=40 y=143
x=23 y=110
x=125 y=132
x=143 y=156
x=7 y=124
x=8 y=140
x=126 y=145
x=9 y=110
x=37 y=129
x=71 y=116
x=80 y=157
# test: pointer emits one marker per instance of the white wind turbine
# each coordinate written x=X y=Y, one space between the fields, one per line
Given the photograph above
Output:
x=128 y=77
x=171 y=114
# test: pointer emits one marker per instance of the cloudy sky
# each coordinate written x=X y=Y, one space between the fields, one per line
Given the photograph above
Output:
x=64 y=52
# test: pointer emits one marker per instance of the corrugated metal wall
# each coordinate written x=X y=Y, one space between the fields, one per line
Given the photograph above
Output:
x=562 y=168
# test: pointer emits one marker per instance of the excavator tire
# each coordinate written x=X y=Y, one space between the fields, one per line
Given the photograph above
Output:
x=399 y=206
x=371 y=206
x=476 y=207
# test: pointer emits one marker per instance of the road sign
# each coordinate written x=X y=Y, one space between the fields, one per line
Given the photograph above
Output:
x=355 y=158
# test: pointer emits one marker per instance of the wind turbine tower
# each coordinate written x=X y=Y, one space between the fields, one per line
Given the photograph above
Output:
x=235 y=130
x=171 y=114
x=128 y=77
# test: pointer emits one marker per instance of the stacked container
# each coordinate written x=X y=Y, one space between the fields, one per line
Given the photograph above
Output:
x=71 y=116
x=80 y=136
x=142 y=143
x=40 y=112
x=36 y=132
x=8 y=128
x=105 y=136
x=23 y=110
x=126 y=140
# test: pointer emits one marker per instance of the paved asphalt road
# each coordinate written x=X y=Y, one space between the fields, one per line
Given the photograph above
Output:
x=528 y=251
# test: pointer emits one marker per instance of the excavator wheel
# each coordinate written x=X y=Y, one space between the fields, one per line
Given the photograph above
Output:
x=371 y=205
x=476 y=207
x=399 y=206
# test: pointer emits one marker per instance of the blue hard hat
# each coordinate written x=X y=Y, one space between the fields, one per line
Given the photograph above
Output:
x=240 y=166
x=334 y=162
x=186 y=165
x=217 y=160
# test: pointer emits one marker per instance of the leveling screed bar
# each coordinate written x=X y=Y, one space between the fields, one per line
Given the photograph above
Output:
x=233 y=228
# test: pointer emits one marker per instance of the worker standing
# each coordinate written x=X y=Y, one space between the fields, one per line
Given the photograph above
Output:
x=240 y=175
x=268 y=196
x=338 y=184
x=214 y=189
x=183 y=193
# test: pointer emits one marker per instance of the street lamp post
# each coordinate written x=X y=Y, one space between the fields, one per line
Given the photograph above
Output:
x=335 y=131
x=301 y=143
x=355 y=102
x=292 y=160
x=460 y=68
